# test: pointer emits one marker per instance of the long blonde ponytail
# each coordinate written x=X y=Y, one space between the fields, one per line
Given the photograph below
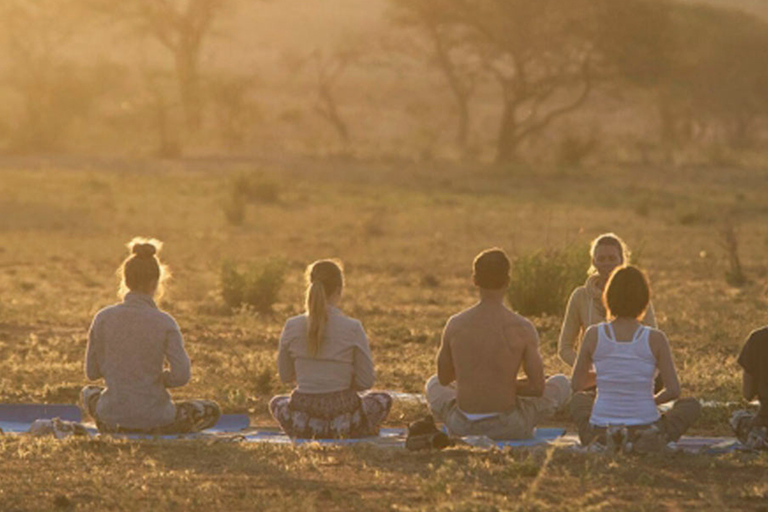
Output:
x=324 y=278
x=316 y=303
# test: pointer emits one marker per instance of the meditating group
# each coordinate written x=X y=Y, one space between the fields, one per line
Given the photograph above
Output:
x=623 y=367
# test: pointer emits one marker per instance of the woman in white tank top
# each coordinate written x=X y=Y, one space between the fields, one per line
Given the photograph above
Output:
x=626 y=356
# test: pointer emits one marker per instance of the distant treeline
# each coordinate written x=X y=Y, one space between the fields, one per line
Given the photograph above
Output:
x=494 y=79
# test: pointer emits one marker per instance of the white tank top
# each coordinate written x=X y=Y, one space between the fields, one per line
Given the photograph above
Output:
x=625 y=374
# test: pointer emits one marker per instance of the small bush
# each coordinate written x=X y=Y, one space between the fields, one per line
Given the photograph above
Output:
x=430 y=281
x=235 y=209
x=255 y=188
x=245 y=189
x=373 y=226
x=542 y=282
x=264 y=191
x=729 y=241
x=643 y=207
x=692 y=214
x=256 y=286
x=234 y=111
x=574 y=149
x=264 y=380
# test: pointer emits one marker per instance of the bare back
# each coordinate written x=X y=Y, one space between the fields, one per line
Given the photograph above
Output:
x=483 y=349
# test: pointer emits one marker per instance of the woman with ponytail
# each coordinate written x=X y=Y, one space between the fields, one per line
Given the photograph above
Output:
x=328 y=355
x=139 y=352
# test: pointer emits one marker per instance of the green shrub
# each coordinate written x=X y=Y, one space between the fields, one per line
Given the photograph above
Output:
x=542 y=282
x=235 y=209
x=574 y=149
x=247 y=189
x=256 y=286
x=264 y=191
x=729 y=241
x=373 y=226
x=429 y=281
x=255 y=188
x=265 y=381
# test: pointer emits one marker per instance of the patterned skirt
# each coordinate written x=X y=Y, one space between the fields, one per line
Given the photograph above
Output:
x=337 y=415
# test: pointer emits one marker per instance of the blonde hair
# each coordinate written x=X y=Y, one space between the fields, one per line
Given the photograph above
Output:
x=610 y=239
x=142 y=270
x=324 y=278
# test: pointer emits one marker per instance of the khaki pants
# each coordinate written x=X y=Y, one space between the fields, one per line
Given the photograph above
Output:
x=673 y=422
x=515 y=424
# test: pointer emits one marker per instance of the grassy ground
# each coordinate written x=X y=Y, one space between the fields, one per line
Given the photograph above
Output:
x=407 y=235
x=48 y=474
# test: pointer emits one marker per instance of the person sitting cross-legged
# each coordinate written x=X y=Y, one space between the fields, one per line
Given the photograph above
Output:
x=328 y=356
x=626 y=355
x=476 y=390
x=139 y=352
x=752 y=428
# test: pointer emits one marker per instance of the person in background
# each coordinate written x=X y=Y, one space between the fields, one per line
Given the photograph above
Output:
x=328 y=356
x=585 y=307
x=626 y=355
x=477 y=390
x=139 y=352
x=752 y=428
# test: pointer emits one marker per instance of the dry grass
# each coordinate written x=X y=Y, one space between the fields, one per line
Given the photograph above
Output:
x=407 y=235
x=43 y=474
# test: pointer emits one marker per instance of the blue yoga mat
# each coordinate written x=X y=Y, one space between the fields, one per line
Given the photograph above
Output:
x=231 y=423
x=15 y=418
x=19 y=417
x=542 y=436
x=277 y=436
x=709 y=445
x=228 y=423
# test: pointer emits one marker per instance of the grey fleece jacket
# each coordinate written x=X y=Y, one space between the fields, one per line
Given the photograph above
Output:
x=128 y=346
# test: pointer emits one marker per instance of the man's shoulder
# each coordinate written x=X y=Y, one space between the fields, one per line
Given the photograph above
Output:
x=503 y=313
x=756 y=344
x=106 y=311
x=519 y=323
x=462 y=317
x=754 y=353
x=758 y=335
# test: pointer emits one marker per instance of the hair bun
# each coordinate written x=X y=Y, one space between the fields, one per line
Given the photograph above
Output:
x=144 y=250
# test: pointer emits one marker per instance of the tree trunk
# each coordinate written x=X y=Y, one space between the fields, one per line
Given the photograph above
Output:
x=508 y=141
x=462 y=133
x=667 y=120
x=329 y=110
x=188 y=75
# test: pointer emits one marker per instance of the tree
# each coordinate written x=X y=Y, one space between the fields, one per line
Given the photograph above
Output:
x=180 y=26
x=53 y=90
x=539 y=51
x=705 y=65
x=234 y=110
x=446 y=51
x=639 y=45
x=329 y=68
x=325 y=68
x=730 y=73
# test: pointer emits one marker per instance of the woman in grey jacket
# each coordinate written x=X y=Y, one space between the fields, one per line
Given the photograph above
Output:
x=129 y=345
x=328 y=355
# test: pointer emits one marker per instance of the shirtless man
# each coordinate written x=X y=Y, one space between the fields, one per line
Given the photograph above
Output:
x=476 y=390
